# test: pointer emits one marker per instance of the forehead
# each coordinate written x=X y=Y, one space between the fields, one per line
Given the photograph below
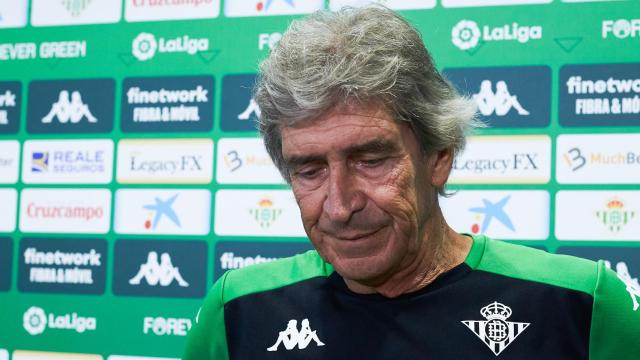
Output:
x=341 y=129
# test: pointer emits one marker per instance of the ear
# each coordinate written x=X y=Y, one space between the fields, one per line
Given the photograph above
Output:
x=443 y=160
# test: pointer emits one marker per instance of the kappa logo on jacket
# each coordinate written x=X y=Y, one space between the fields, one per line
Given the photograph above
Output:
x=291 y=337
x=496 y=332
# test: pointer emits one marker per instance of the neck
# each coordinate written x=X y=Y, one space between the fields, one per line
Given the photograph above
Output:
x=441 y=250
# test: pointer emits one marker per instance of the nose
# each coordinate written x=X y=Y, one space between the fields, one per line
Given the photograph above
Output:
x=344 y=198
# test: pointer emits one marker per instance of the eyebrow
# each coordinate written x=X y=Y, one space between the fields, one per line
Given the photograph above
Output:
x=376 y=146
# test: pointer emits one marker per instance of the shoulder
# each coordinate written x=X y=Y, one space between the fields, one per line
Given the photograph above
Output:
x=271 y=275
x=530 y=264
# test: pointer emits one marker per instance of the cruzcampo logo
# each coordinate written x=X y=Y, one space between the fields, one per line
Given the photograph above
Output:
x=75 y=7
x=615 y=216
x=265 y=214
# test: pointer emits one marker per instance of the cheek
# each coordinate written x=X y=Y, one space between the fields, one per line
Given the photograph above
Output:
x=397 y=196
x=310 y=204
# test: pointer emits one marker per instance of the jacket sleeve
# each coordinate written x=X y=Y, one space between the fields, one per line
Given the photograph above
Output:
x=207 y=340
x=615 y=322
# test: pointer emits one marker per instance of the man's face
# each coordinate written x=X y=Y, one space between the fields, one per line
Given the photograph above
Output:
x=364 y=188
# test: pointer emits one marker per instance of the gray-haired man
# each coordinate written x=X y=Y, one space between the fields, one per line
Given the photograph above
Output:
x=364 y=128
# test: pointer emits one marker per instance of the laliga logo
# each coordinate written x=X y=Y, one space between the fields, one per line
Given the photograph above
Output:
x=35 y=321
x=466 y=34
x=145 y=45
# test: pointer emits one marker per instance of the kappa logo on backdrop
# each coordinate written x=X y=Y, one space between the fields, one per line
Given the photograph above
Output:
x=70 y=266
x=467 y=34
x=507 y=97
x=162 y=273
x=160 y=268
x=496 y=332
x=71 y=106
x=162 y=104
x=291 y=337
x=621 y=28
x=240 y=111
x=145 y=46
x=35 y=321
x=499 y=102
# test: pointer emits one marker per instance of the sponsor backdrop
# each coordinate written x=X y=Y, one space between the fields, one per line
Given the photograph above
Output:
x=132 y=177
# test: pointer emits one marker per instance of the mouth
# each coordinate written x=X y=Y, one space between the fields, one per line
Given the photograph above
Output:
x=355 y=236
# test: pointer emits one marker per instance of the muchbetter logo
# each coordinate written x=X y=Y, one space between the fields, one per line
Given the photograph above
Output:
x=35 y=321
x=162 y=273
x=145 y=45
x=467 y=34
x=615 y=216
x=496 y=332
x=292 y=337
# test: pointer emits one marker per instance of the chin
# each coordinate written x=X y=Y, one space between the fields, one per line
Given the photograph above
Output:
x=365 y=270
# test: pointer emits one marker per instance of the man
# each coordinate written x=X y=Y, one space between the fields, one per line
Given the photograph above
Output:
x=364 y=128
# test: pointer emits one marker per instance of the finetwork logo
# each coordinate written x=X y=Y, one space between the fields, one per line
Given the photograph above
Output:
x=145 y=46
x=35 y=321
x=467 y=34
x=621 y=28
x=10 y=106
x=161 y=104
x=600 y=95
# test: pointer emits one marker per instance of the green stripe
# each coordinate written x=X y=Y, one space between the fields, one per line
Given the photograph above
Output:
x=525 y=263
x=274 y=275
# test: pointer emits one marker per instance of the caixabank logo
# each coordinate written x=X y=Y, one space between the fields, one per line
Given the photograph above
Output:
x=71 y=106
x=37 y=320
x=240 y=112
x=507 y=97
x=167 y=104
x=234 y=8
x=600 y=95
x=391 y=4
x=13 y=13
x=10 y=95
x=6 y=252
x=146 y=46
x=160 y=268
x=231 y=255
x=64 y=266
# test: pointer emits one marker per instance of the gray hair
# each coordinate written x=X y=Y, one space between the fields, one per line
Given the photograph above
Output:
x=364 y=55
